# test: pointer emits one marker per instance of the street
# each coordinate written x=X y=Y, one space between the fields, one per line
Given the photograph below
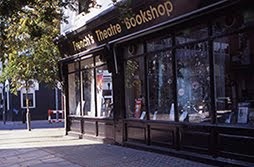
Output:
x=49 y=147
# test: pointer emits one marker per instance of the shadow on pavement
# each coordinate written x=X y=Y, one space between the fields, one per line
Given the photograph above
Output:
x=34 y=125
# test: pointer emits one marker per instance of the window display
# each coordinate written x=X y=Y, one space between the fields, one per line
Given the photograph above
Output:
x=160 y=76
x=90 y=87
x=88 y=104
x=104 y=92
x=134 y=88
x=193 y=87
x=74 y=94
x=191 y=34
x=149 y=73
x=234 y=78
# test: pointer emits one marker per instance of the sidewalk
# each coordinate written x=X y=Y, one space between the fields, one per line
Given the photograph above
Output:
x=50 y=148
x=11 y=125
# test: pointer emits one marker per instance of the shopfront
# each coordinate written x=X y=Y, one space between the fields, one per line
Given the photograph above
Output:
x=173 y=76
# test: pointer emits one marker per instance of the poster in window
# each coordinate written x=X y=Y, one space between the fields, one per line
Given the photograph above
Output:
x=242 y=116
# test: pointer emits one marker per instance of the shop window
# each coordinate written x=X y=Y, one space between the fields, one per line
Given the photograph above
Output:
x=193 y=83
x=104 y=92
x=159 y=44
x=90 y=87
x=133 y=49
x=134 y=88
x=227 y=23
x=161 y=89
x=87 y=63
x=74 y=93
x=194 y=33
x=100 y=60
x=31 y=100
x=87 y=76
x=88 y=100
x=71 y=67
x=234 y=78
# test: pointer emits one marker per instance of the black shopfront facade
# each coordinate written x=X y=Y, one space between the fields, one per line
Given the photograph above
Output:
x=173 y=76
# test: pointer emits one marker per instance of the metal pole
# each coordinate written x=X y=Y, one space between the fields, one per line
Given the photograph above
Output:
x=56 y=96
x=4 y=111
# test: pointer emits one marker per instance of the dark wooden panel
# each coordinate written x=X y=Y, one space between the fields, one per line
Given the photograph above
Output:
x=162 y=137
x=233 y=130
x=192 y=139
x=90 y=127
x=136 y=134
x=236 y=145
x=75 y=125
x=106 y=130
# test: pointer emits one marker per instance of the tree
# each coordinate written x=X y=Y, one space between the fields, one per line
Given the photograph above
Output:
x=27 y=29
x=27 y=48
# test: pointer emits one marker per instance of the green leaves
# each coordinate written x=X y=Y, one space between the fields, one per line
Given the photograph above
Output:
x=30 y=53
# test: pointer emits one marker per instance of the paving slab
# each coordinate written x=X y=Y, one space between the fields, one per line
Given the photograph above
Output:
x=49 y=147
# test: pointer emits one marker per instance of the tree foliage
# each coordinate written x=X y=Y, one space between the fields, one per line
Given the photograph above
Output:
x=27 y=29
x=27 y=44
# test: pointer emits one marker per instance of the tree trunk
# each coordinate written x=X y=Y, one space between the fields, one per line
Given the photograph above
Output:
x=28 y=117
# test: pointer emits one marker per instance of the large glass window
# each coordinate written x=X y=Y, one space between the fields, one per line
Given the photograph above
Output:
x=191 y=34
x=149 y=73
x=228 y=23
x=193 y=88
x=134 y=88
x=160 y=74
x=90 y=87
x=234 y=78
x=104 y=92
x=74 y=93
x=88 y=103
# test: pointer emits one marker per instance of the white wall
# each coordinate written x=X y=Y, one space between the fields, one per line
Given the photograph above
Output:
x=76 y=20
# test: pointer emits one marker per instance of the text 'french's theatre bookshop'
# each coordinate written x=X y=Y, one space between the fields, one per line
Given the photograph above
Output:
x=142 y=17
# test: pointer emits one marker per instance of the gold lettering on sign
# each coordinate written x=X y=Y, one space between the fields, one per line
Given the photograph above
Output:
x=108 y=32
x=88 y=40
x=142 y=17
x=150 y=14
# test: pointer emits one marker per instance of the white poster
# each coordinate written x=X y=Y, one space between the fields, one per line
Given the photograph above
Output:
x=242 y=115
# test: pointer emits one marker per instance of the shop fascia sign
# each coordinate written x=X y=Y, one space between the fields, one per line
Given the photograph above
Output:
x=113 y=30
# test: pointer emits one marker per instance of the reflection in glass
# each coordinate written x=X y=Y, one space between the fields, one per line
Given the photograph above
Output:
x=71 y=67
x=134 y=88
x=99 y=60
x=88 y=103
x=192 y=34
x=104 y=92
x=74 y=94
x=227 y=23
x=87 y=63
x=193 y=88
x=160 y=76
x=159 y=44
x=234 y=78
